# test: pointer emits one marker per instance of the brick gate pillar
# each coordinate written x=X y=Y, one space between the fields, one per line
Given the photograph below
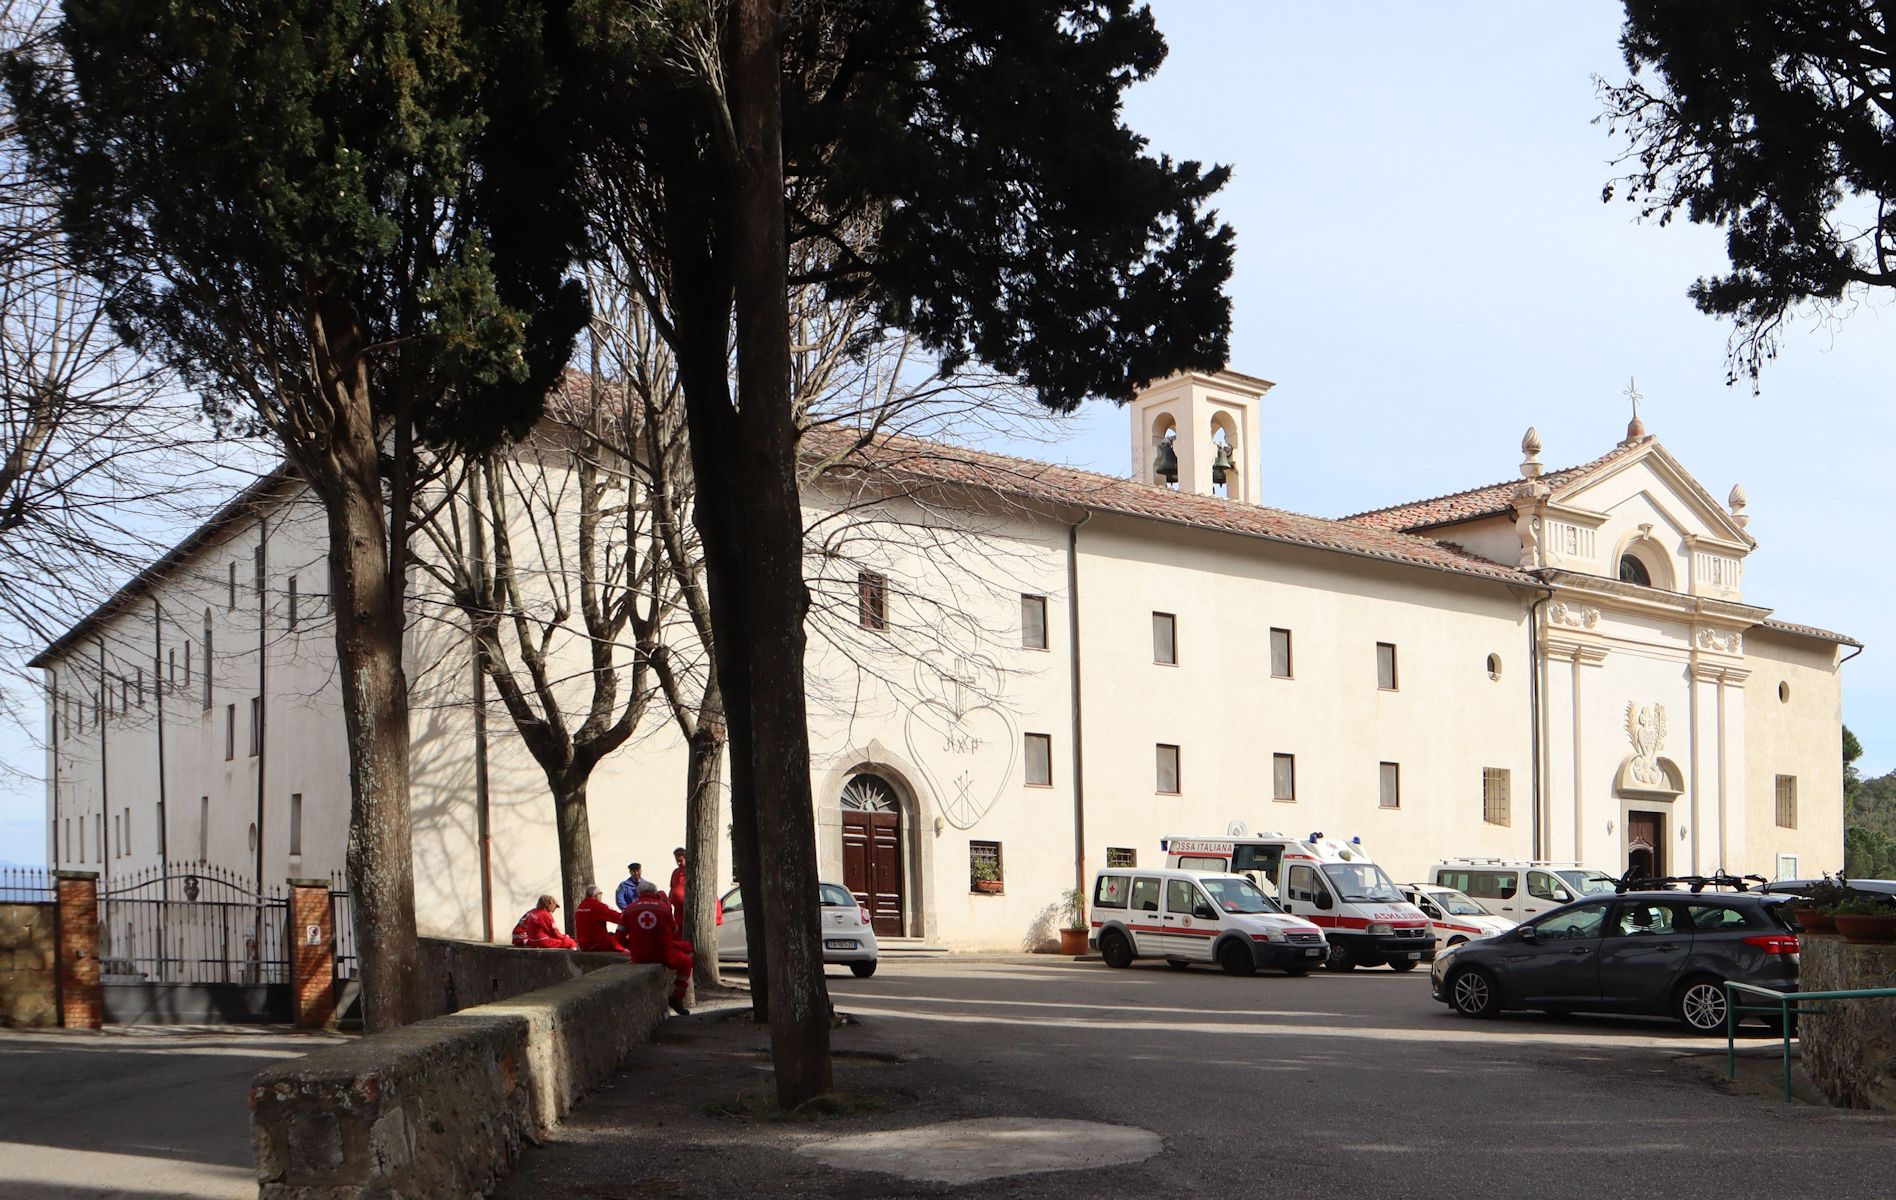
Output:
x=77 y=906
x=312 y=954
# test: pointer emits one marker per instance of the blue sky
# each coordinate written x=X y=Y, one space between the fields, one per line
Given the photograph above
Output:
x=1425 y=269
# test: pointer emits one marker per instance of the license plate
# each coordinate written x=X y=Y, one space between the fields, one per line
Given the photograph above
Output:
x=1312 y=952
x=838 y=944
x=1415 y=955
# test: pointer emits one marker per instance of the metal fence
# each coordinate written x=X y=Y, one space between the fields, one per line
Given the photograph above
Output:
x=342 y=918
x=196 y=925
x=25 y=885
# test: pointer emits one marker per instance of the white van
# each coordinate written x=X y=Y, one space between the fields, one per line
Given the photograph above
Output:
x=1185 y=917
x=1518 y=890
x=1454 y=917
x=1329 y=881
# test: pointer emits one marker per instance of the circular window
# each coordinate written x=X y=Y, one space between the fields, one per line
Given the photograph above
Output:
x=1784 y=693
x=1494 y=666
x=1634 y=571
x=253 y=837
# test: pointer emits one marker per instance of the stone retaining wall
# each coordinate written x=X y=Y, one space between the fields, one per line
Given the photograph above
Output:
x=29 y=968
x=460 y=974
x=1850 y=1049
x=442 y=1107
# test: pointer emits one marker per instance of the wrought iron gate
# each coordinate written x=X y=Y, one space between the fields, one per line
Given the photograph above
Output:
x=192 y=946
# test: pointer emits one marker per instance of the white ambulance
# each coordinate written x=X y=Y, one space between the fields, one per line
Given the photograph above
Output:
x=1327 y=881
x=1454 y=917
x=1185 y=917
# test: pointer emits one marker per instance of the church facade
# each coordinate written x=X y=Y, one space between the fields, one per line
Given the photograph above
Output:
x=1023 y=672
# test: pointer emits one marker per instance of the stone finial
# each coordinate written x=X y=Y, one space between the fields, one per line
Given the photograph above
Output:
x=1530 y=450
x=1737 y=501
x=1635 y=429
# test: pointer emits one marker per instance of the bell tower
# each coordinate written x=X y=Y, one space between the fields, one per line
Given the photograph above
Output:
x=1198 y=432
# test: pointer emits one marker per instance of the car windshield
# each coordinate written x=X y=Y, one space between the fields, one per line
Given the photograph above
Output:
x=1239 y=896
x=1361 y=881
x=1455 y=904
x=1588 y=883
x=836 y=896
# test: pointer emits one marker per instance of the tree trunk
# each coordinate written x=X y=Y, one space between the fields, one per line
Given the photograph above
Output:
x=574 y=827
x=776 y=597
x=702 y=776
x=369 y=631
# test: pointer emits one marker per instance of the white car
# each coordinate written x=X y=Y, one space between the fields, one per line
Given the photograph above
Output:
x=1454 y=917
x=1197 y=916
x=848 y=939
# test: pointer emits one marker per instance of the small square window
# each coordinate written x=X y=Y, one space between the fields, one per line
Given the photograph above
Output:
x=1280 y=654
x=1033 y=622
x=872 y=600
x=1121 y=856
x=984 y=867
x=1386 y=666
x=1165 y=639
x=1391 y=785
x=1039 y=748
x=1168 y=781
x=1284 y=778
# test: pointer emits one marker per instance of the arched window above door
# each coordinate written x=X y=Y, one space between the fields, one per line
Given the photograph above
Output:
x=1631 y=570
x=867 y=793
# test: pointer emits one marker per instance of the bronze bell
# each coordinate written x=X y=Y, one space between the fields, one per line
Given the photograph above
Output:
x=1165 y=465
x=1221 y=463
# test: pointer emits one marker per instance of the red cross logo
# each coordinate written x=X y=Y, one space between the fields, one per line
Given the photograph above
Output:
x=648 y=920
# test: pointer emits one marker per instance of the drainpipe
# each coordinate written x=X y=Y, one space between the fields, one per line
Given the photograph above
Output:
x=105 y=802
x=158 y=694
x=1534 y=713
x=1073 y=658
x=263 y=693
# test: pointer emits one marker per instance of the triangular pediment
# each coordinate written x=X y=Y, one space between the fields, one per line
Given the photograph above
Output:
x=1652 y=475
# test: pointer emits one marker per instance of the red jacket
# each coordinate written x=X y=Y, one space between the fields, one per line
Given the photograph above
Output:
x=649 y=932
x=591 y=920
x=678 y=895
x=537 y=930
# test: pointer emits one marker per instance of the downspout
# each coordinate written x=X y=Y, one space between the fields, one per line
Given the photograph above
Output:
x=158 y=693
x=263 y=693
x=105 y=802
x=1534 y=714
x=1073 y=659
x=55 y=737
x=484 y=826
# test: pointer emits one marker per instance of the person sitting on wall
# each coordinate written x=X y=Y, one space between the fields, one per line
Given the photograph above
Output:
x=592 y=921
x=537 y=931
x=652 y=938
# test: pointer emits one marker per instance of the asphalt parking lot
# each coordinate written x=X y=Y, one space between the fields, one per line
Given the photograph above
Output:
x=1333 y=1085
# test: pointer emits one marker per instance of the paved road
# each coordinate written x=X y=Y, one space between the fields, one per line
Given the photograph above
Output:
x=131 y=1114
x=1348 y=1086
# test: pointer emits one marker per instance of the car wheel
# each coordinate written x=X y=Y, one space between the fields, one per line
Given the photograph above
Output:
x=1115 y=949
x=1474 y=993
x=1339 y=959
x=1404 y=964
x=1178 y=964
x=1236 y=959
x=1457 y=941
x=863 y=970
x=1700 y=1005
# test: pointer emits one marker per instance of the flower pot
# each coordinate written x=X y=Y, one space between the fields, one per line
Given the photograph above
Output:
x=991 y=887
x=1813 y=920
x=1073 y=941
x=1867 y=930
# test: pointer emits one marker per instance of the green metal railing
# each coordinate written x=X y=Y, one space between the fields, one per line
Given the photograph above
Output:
x=1784 y=1005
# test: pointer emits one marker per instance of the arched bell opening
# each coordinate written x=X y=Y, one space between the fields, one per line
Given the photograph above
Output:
x=1225 y=457
x=1165 y=450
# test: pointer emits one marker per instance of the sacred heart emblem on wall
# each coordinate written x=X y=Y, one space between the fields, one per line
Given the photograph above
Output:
x=958 y=735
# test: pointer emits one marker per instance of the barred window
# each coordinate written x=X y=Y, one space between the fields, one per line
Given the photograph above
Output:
x=984 y=866
x=872 y=600
x=1121 y=856
x=1495 y=786
x=1787 y=801
x=1284 y=778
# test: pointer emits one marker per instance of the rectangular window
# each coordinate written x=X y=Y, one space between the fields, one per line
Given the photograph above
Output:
x=81 y=843
x=161 y=824
x=171 y=657
x=1165 y=639
x=210 y=656
x=1110 y=891
x=98 y=830
x=232 y=599
x=141 y=687
x=68 y=838
x=230 y=732
x=116 y=840
x=1284 y=778
x=292 y=602
x=296 y=823
x=1787 y=801
x=256 y=569
x=1121 y=856
x=1391 y=785
x=1033 y=622
x=187 y=664
x=204 y=829
x=984 y=867
x=125 y=834
x=256 y=726
x=872 y=600
x=1280 y=654
x=1145 y=895
x=1168 y=770
x=1386 y=666
x=1495 y=786
x=1039 y=760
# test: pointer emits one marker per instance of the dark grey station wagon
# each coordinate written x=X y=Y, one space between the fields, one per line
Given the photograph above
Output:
x=1661 y=953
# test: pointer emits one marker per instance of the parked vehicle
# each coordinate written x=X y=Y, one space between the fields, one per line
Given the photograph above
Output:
x=1454 y=917
x=1191 y=916
x=848 y=938
x=1797 y=887
x=1518 y=890
x=1654 y=952
x=1328 y=881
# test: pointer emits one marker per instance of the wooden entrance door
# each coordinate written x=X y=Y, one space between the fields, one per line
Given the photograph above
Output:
x=872 y=851
x=1645 y=844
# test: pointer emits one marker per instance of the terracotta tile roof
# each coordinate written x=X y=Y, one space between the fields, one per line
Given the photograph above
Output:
x=1025 y=480
x=1489 y=501
x=1810 y=631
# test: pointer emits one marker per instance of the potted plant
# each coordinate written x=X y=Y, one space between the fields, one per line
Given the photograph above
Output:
x=1073 y=933
x=1815 y=910
x=986 y=878
x=1866 y=920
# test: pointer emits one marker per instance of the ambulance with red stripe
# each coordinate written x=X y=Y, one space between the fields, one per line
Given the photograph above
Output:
x=1327 y=881
x=1454 y=917
x=1185 y=917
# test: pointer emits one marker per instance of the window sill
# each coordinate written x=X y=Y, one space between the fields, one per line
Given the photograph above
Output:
x=1041 y=787
x=1283 y=799
x=1168 y=793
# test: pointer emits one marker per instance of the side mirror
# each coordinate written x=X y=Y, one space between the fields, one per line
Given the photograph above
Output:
x=1205 y=912
x=1529 y=933
x=1564 y=896
x=1322 y=900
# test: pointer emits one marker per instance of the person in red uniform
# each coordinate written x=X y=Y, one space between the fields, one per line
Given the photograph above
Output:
x=592 y=921
x=537 y=930
x=652 y=938
x=678 y=889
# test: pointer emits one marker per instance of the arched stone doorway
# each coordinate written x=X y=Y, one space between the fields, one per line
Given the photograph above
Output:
x=874 y=846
